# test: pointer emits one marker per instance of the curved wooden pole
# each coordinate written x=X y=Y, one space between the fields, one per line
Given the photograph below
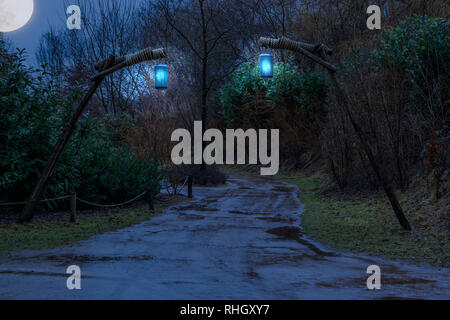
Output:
x=109 y=67
x=304 y=48
x=318 y=54
x=41 y=186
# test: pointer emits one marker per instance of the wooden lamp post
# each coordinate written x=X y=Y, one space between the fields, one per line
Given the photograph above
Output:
x=318 y=53
x=106 y=67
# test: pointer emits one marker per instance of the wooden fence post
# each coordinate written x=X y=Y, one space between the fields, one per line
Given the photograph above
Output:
x=73 y=207
x=150 y=199
x=190 y=182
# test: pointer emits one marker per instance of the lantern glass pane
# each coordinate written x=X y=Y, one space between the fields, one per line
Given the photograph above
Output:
x=161 y=76
x=266 y=65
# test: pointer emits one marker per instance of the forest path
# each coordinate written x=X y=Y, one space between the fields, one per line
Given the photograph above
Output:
x=239 y=241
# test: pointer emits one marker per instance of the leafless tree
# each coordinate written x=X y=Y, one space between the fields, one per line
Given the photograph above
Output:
x=210 y=33
x=108 y=27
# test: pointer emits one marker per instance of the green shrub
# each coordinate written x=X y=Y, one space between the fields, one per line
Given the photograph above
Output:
x=107 y=171
x=419 y=46
x=399 y=86
x=290 y=88
x=27 y=126
x=96 y=164
x=293 y=101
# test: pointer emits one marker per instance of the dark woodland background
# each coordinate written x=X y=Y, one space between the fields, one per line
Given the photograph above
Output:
x=398 y=80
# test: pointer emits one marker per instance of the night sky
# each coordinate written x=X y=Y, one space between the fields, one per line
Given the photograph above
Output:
x=47 y=13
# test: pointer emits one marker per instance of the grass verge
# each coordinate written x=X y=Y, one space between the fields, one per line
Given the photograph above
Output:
x=45 y=233
x=367 y=224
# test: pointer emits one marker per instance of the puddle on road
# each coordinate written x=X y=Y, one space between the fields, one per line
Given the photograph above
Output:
x=149 y=233
x=342 y=283
x=353 y=282
x=239 y=212
x=93 y=258
x=407 y=280
x=397 y=298
x=36 y=273
x=295 y=233
x=283 y=189
x=289 y=233
x=191 y=216
x=249 y=213
x=281 y=259
x=251 y=274
x=168 y=283
x=277 y=219
x=197 y=207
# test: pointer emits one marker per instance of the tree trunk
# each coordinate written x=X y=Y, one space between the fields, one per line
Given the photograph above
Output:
x=204 y=108
x=204 y=75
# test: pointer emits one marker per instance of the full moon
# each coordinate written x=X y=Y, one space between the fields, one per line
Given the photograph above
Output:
x=14 y=14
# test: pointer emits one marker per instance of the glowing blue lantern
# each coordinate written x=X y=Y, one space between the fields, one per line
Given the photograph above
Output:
x=161 y=76
x=266 y=65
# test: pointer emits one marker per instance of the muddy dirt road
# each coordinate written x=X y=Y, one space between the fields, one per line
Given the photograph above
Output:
x=240 y=241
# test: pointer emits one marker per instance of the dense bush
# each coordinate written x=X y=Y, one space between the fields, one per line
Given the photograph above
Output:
x=107 y=170
x=293 y=101
x=27 y=122
x=95 y=164
x=290 y=88
x=400 y=92
x=420 y=47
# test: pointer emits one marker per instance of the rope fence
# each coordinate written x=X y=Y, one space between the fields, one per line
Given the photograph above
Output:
x=149 y=192
x=8 y=204
x=112 y=205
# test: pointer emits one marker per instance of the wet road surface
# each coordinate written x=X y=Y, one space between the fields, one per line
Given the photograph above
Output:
x=239 y=241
